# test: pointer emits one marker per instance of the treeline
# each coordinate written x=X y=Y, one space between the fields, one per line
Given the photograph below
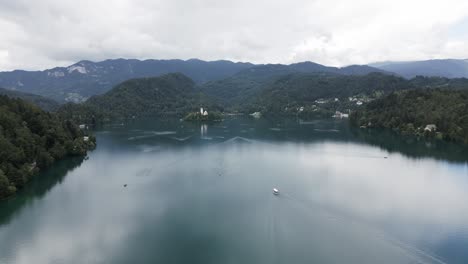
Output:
x=415 y=111
x=44 y=103
x=321 y=94
x=289 y=93
x=211 y=116
x=168 y=95
x=32 y=139
x=270 y=89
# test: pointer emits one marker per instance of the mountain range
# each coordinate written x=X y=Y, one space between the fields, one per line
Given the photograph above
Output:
x=228 y=82
x=44 y=103
x=449 y=68
x=79 y=81
x=316 y=94
x=84 y=79
x=172 y=94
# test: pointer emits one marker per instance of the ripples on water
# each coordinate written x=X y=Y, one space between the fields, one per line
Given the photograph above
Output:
x=347 y=196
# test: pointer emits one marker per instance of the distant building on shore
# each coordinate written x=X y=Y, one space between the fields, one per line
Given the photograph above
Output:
x=430 y=128
x=338 y=114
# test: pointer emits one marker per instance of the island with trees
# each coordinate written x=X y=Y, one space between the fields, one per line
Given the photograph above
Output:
x=204 y=116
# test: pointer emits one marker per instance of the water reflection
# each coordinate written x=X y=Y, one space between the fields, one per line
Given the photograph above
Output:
x=203 y=130
x=207 y=199
x=39 y=186
x=412 y=146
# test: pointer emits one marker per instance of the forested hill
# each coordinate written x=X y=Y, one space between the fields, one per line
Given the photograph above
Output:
x=168 y=95
x=250 y=82
x=287 y=93
x=411 y=112
x=31 y=139
x=451 y=68
x=304 y=89
x=79 y=81
x=44 y=103
x=274 y=88
x=84 y=79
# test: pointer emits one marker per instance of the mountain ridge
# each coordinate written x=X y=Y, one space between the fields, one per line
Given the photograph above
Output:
x=450 y=68
x=44 y=103
x=172 y=94
x=81 y=80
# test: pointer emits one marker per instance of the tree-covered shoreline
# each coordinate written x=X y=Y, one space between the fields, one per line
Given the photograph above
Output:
x=170 y=95
x=32 y=139
x=442 y=114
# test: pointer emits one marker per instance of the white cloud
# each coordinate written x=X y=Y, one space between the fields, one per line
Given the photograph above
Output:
x=40 y=34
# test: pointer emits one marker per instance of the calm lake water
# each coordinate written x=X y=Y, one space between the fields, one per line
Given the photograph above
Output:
x=203 y=194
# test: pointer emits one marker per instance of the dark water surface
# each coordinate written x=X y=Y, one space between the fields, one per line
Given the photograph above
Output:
x=203 y=194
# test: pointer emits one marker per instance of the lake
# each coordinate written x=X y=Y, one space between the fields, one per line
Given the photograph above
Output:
x=202 y=193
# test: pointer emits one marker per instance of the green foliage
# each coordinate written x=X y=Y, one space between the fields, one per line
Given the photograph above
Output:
x=244 y=85
x=167 y=95
x=271 y=89
x=31 y=139
x=289 y=93
x=44 y=103
x=409 y=112
x=4 y=185
x=64 y=84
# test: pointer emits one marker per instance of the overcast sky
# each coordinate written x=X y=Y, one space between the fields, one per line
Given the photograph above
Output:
x=47 y=33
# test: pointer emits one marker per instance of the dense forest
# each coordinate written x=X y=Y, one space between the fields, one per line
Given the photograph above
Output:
x=168 y=95
x=269 y=89
x=435 y=112
x=324 y=91
x=44 y=103
x=247 y=84
x=84 y=79
x=32 y=139
x=274 y=88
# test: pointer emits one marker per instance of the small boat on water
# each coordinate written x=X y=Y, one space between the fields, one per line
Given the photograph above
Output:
x=275 y=191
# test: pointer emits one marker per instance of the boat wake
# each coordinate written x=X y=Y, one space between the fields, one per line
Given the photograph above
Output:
x=416 y=254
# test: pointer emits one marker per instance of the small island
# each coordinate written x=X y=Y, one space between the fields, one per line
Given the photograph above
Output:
x=203 y=115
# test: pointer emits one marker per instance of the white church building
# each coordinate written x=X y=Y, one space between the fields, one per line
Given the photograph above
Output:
x=203 y=113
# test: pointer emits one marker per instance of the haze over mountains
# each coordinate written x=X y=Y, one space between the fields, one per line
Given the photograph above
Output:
x=84 y=79
x=46 y=104
x=78 y=82
x=81 y=80
x=449 y=68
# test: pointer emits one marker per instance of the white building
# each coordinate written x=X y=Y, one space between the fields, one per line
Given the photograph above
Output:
x=256 y=114
x=338 y=114
x=430 y=128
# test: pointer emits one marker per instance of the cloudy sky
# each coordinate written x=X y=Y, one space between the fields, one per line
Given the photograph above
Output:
x=47 y=33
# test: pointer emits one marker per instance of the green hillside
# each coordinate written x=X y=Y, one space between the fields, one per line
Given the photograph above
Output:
x=416 y=111
x=44 y=103
x=168 y=95
x=32 y=139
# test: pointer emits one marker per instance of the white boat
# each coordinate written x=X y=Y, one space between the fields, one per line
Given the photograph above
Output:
x=275 y=191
